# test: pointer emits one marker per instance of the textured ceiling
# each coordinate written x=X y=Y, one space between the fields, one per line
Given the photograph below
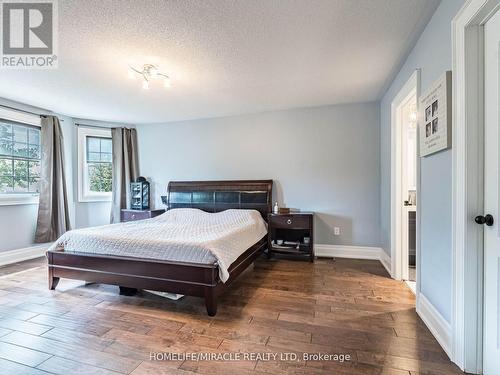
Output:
x=225 y=57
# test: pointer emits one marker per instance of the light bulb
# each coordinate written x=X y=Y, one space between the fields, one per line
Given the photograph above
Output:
x=167 y=83
x=145 y=85
x=131 y=74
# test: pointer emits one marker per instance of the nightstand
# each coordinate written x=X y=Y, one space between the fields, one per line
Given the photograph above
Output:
x=133 y=215
x=291 y=234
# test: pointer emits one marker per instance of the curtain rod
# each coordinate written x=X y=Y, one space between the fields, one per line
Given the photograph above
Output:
x=25 y=111
x=99 y=127
x=91 y=126
x=21 y=110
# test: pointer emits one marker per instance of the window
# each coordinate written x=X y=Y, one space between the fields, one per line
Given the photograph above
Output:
x=99 y=158
x=20 y=154
x=19 y=158
x=95 y=167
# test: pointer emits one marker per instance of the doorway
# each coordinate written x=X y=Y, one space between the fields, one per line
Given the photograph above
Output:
x=476 y=237
x=491 y=325
x=408 y=124
x=404 y=184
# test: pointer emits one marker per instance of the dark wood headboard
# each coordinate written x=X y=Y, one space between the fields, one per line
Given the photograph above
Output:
x=216 y=196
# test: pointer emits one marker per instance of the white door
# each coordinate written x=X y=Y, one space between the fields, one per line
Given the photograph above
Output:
x=491 y=349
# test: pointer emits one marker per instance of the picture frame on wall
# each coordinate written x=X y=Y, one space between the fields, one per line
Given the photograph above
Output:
x=435 y=124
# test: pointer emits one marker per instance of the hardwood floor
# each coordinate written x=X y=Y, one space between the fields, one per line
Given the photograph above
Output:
x=348 y=307
x=21 y=266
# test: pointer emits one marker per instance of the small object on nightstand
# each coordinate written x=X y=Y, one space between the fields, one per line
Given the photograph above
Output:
x=133 y=215
x=284 y=210
x=291 y=234
x=276 y=208
x=139 y=194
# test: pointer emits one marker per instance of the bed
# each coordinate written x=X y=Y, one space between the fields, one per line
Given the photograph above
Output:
x=203 y=277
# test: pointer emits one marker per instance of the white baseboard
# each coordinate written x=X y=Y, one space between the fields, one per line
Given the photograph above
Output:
x=438 y=325
x=386 y=261
x=18 y=255
x=354 y=252
x=342 y=251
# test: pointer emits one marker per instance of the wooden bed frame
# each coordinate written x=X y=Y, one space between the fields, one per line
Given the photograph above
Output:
x=193 y=279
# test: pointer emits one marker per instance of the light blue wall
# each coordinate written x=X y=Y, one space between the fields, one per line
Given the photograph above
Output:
x=432 y=54
x=323 y=159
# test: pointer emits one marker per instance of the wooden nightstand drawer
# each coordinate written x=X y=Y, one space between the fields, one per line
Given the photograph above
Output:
x=133 y=215
x=291 y=235
x=291 y=221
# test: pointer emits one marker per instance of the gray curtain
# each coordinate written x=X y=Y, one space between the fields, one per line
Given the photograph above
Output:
x=125 y=169
x=53 y=215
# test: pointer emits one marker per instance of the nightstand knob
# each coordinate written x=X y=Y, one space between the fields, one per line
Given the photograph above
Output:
x=289 y=221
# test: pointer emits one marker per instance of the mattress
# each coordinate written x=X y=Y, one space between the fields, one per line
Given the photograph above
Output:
x=184 y=234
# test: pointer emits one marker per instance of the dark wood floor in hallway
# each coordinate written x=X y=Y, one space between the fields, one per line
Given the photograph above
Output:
x=337 y=307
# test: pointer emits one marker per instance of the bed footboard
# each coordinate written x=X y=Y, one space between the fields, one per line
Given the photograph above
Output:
x=193 y=279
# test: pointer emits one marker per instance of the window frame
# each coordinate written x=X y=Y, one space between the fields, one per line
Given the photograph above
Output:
x=22 y=118
x=84 y=194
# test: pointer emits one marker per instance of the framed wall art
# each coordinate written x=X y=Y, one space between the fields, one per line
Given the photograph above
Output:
x=435 y=116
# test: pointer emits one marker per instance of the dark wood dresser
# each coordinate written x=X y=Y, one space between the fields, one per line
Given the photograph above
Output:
x=291 y=234
x=133 y=215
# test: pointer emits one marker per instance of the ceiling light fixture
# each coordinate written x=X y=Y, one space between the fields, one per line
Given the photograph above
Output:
x=149 y=72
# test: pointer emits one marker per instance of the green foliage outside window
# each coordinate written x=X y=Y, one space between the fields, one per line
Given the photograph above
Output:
x=100 y=177
x=99 y=164
x=19 y=158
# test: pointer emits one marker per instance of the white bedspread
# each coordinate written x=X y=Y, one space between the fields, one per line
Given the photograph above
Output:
x=184 y=234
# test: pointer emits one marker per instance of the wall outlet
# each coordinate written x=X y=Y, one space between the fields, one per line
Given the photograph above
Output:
x=336 y=231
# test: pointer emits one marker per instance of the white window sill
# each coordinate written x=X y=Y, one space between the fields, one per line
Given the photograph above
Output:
x=18 y=199
x=95 y=198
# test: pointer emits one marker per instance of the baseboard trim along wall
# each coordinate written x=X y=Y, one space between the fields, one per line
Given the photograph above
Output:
x=18 y=255
x=354 y=252
x=386 y=261
x=438 y=325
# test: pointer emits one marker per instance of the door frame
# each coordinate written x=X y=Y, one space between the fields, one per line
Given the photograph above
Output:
x=468 y=182
x=411 y=87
